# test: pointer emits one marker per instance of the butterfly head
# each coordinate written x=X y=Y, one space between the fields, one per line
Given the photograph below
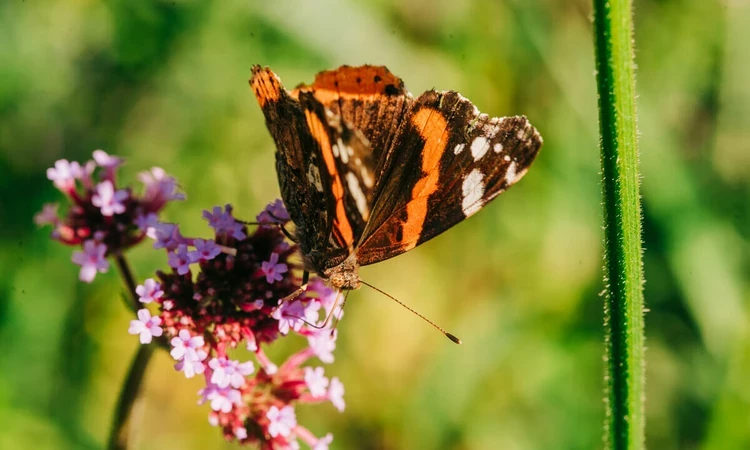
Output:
x=345 y=276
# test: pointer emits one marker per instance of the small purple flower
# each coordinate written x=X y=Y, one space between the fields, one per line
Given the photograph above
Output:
x=167 y=235
x=149 y=291
x=147 y=223
x=336 y=394
x=316 y=381
x=223 y=222
x=216 y=217
x=160 y=188
x=228 y=372
x=205 y=250
x=289 y=315
x=323 y=442
x=91 y=260
x=146 y=326
x=109 y=200
x=274 y=213
x=64 y=174
x=48 y=215
x=180 y=260
x=272 y=269
x=192 y=367
x=323 y=344
x=282 y=421
x=222 y=399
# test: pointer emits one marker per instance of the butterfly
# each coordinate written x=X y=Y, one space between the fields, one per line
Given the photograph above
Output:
x=368 y=172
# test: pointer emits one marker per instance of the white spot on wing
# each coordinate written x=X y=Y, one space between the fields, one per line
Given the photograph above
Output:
x=506 y=157
x=472 y=191
x=512 y=175
x=479 y=147
x=458 y=149
x=366 y=176
x=497 y=147
x=359 y=196
x=313 y=176
x=342 y=151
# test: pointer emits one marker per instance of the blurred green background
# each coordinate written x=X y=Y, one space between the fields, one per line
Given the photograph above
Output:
x=165 y=84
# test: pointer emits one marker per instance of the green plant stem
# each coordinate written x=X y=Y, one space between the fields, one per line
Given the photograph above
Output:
x=613 y=35
x=119 y=432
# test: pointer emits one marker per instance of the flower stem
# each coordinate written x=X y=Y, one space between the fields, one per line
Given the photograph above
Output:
x=613 y=34
x=119 y=433
x=127 y=275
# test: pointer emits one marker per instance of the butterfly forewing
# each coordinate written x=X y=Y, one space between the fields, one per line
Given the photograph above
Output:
x=446 y=162
x=369 y=99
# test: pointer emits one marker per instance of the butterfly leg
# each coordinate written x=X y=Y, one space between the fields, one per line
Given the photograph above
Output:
x=299 y=290
x=279 y=224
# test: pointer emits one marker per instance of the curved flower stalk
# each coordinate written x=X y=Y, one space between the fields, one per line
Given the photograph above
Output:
x=224 y=293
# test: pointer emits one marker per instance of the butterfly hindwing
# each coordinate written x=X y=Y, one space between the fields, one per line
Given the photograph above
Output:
x=446 y=162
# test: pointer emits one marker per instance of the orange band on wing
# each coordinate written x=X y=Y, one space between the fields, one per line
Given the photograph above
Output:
x=340 y=221
x=431 y=126
x=266 y=86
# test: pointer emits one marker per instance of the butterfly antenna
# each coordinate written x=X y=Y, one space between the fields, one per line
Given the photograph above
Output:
x=442 y=330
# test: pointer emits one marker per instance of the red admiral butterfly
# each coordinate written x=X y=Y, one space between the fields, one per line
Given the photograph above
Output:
x=368 y=172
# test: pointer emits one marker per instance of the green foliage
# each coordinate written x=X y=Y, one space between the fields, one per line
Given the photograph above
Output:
x=165 y=84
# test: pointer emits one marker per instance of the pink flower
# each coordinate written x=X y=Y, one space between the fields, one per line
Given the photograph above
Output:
x=222 y=399
x=109 y=201
x=48 y=215
x=91 y=260
x=191 y=367
x=180 y=260
x=316 y=381
x=323 y=442
x=323 y=344
x=146 y=326
x=240 y=433
x=184 y=345
x=228 y=372
x=64 y=174
x=149 y=291
x=336 y=394
x=289 y=315
x=205 y=250
x=272 y=269
x=282 y=421
x=106 y=161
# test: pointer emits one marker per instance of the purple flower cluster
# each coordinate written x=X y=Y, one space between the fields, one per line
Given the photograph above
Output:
x=221 y=299
x=224 y=293
x=104 y=219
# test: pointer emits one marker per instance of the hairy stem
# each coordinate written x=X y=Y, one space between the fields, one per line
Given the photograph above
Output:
x=613 y=35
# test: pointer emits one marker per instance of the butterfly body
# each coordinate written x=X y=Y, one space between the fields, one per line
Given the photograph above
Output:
x=368 y=172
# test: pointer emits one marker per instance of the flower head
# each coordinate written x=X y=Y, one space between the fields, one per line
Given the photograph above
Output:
x=146 y=326
x=149 y=291
x=272 y=269
x=282 y=421
x=92 y=259
x=64 y=174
